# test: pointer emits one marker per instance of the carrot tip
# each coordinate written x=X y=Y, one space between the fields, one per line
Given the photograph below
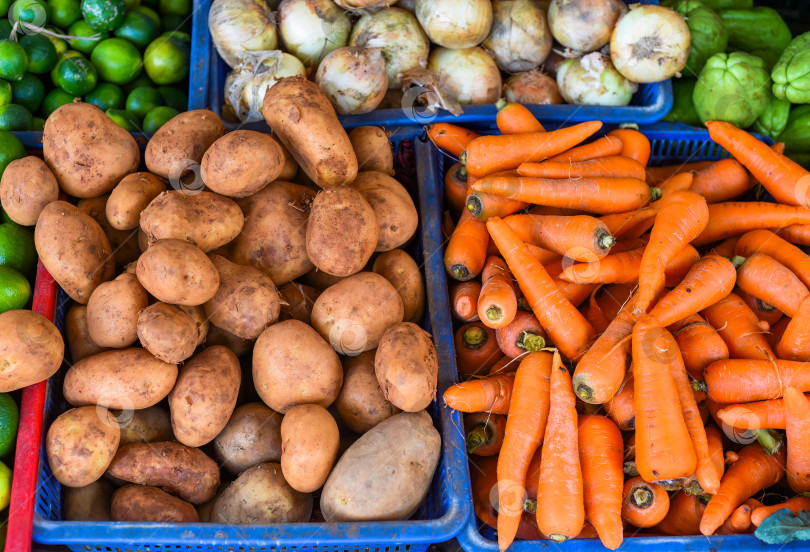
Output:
x=630 y=469
x=737 y=261
x=606 y=241
x=474 y=337
x=769 y=440
x=641 y=497
x=655 y=194
x=556 y=537
x=477 y=437
x=475 y=206
x=584 y=392
x=463 y=157
x=700 y=385
x=494 y=314
x=460 y=272
x=530 y=505
x=500 y=104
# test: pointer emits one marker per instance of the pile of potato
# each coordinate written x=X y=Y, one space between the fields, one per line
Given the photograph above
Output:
x=245 y=353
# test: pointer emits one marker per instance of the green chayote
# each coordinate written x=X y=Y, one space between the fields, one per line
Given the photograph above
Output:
x=756 y=29
x=683 y=109
x=709 y=35
x=773 y=120
x=796 y=134
x=732 y=87
x=791 y=74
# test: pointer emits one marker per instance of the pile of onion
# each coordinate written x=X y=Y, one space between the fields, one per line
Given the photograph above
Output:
x=520 y=39
x=468 y=76
x=239 y=26
x=455 y=23
x=310 y=29
x=354 y=79
x=592 y=80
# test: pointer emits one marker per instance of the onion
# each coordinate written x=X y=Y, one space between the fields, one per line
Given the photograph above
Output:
x=354 y=79
x=455 y=23
x=592 y=80
x=239 y=26
x=584 y=25
x=365 y=5
x=311 y=29
x=650 y=44
x=409 y=5
x=397 y=32
x=532 y=87
x=520 y=38
x=249 y=81
x=468 y=76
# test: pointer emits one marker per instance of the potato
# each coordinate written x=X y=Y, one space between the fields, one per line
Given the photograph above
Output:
x=293 y=365
x=230 y=166
x=407 y=367
x=80 y=444
x=309 y=446
x=177 y=272
x=31 y=349
x=300 y=300
x=26 y=187
x=342 y=231
x=87 y=152
x=319 y=279
x=147 y=425
x=79 y=341
x=121 y=379
x=204 y=396
x=361 y=403
x=88 y=503
x=181 y=143
x=130 y=197
x=355 y=313
x=261 y=496
x=393 y=208
x=183 y=471
x=205 y=219
x=197 y=315
x=218 y=336
x=140 y=503
x=205 y=509
x=246 y=302
x=372 y=149
x=112 y=311
x=252 y=436
x=74 y=249
x=124 y=243
x=385 y=475
x=168 y=332
x=290 y=168
x=401 y=270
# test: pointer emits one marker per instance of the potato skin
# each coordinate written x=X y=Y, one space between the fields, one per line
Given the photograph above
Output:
x=26 y=187
x=309 y=446
x=386 y=473
x=31 y=349
x=354 y=314
x=177 y=272
x=147 y=425
x=182 y=140
x=88 y=503
x=252 y=436
x=300 y=299
x=393 y=208
x=319 y=280
x=183 y=471
x=80 y=444
x=77 y=269
x=230 y=165
x=407 y=367
x=141 y=503
x=218 y=336
x=293 y=365
x=130 y=197
x=167 y=332
x=119 y=379
x=87 y=152
x=344 y=252
x=123 y=242
x=303 y=119
x=401 y=270
x=290 y=168
x=372 y=149
x=361 y=403
x=80 y=344
x=112 y=311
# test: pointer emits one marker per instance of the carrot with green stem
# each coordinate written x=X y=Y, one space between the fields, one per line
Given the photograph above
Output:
x=577 y=237
x=699 y=343
x=795 y=341
x=683 y=516
x=476 y=349
x=515 y=118
x=621 y=406
x=497 y=304
x=623 y=268
x=484 y=433
x=721 y=181
x=772 y=282
x=455 y=188
x=464 y=299
x=452 y=138
x=467 y=249
x=739 y=328
x=764 y=311
x=634 y=144
x=744 y=380
x=492 y=394
x=659 y=174
x=644 y=504
x=797 y=431
x=601 y=147
x=524 y=335
x=779 y=249
x=732 y=218
x=484 y=206
x=615 y=166
x=795 y=505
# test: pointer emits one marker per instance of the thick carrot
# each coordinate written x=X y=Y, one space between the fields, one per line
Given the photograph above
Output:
x=464 y=298
x=564 y=324
x=621 y=406
x=450 y=137
x=485 y=432
x=497 y=304
x=614 y=166
x=491 y=394
x=797 y=234
x=743 y=380
x=560 y=506
x=659 y=174
x=726 y=247
x=467 y=249
x=644 y=504
x=515 y=118
x=578 y=237
x=683 y=516
x=795 y=504
x=722 y=181
x=601 y=147
x=714 y=438
x=525 y=427
x=765 y=241
x=797 y=431
x=455 y=188
x=623 y=268
x=739 y=328
x=485 y=206
x=700 y=344
x=772 y=282
x=476 y=349
x=732 y=218
x=634 y=144
x=601 y=456
x=764 y=311
x=524 y=334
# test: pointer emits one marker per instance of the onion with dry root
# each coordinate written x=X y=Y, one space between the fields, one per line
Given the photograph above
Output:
x=584 y=25
x=311 y=29
x=249 y=81
x=455 y=23
x=520 y=39
x=592 y=80
x=468 y=76
x=353 y=78
x=239 y=26
x=532 y=87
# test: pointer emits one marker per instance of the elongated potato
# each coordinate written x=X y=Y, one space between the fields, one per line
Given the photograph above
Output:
x=179 y=144
x=177 y=272
x=141 y=503
x=230 y=165
x=393 y=208
x=130 y=197
x=361 y=403
x=26 y=187
x=252 y=436
x=88 y=503
x=80 y=444
x=123 y=242
x=80 y=344
x=304 y=120
x=309 y=446
x=407 y=367
x=168 y=332
x=400 y=269
x=147 y=425
x=373 y=150
x=112 y=311
x=31 y=349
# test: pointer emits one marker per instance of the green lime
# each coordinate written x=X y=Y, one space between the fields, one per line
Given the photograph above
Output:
x=138 y=28
x=9 y=420
x=10 y=149
x=13 y=60
x=5 y=92
x=126 y=120
x=117 y=60
x=35 y=12
x=29 y=92
x=5 y=5
x=59 y=44
x=157 y=117
x=38 y=124
x=65 y=12
x=5 y=26
x=143 y=100
x=17 y=249
x=15 y=292
x=166 y=60
x=132 y=4
x=142 y=80
x=106 y=96
x=5 y=486
x=170 y=22
x=104 y=15
x=174 y=7
x=59 y=59
x=153 y=15
x=41 y=53
x=174 y=97
x=55 y=99
x=83 y=29
x=15 y=117
x=76 y=76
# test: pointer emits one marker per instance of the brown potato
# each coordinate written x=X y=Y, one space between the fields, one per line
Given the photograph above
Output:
x=140 y=503
x=300 y=299
x=177 y=272
x=87 y=152
x=130 y=197
x=31 y=349
x=197 y=315
x=180 y=143
x=303 y=119
x=26 y=187
x=112 y=311
x=400 y=269
x=373 y=150
x=361 y=403
x=78 y=269
x=407 y=367
x=393 y=208
x=345 y=251
x=80 y=344
x=355 y=313
x=147 y=425
x=183 y=471
x=246 y=302
x=124 y=243
x=230 y=166
x=205 y=509
x=320 y=280
x=88 y=503
x=80 y=444
x=309 y=446
x=122 y=379
x=273 y=238
x=290 y=168
x=293 y=365
x=168 y=332
x=252 y=436
x=218 y=336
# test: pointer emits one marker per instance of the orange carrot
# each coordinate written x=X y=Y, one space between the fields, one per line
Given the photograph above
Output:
x=594 y=313
x=700 y=344
x=581 y=238
x=485 y=206
x=614 y=166
x=491 y=394
x=644 y=504
x=772 y=282
x=659 y=174
x=738 y=522
x=797 y=431
x=464 y=298
x=601 y=147
x=754 y=415
x=621 y=406
x=797 y=234
x=476 y=349
x=777 y=331
x=450 y=137
x=683 y=516
x=497 y=304
x=515 y=118
x=623 y=268
x=714 y=438
x=485 y=433
x=455 y=188
x=574 y=293
x=467 y=249
x=732 y=218
x=634 y=144
x=533 y=476
x=760 y=308
x=726 y=247
x=542 y=255
x=627 y=224
x=678 y=183
x=743 y=380
x=739 y=328
x=722 y=181
x=504 y=366
x=768 y=243
x=795 y=504
x=448 y=225
x=524 y=334
x=795 y=341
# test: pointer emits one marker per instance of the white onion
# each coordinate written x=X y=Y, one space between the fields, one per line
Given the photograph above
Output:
x=238 y=26
x=592 y=80
x=520 y=39
x=650 y=44
x=397 y=32
x=354 y=79
x=365 y=5
x=532 y=87
x=249 y=81
x=409 y=5
x=311 y=29
x=468 y=76
x=455 y=23
x=584 y=25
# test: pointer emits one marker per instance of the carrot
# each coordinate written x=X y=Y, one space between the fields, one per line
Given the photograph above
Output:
x=485 y=432
x=467 y=249
x=524 y=334
x=777 y=331
x=504 y=366
x=699 y=343
x=765 y=241
x=542 y=255
x=644 y=504
x=630 y=223
x=515 y=118
x=772 y=282
x=797 y=234
x=762 y=310
x=594 y=313
x=797 y=431
x=743 y=380
x=464 y=298
x=560 y=506
x=476 y=349
x=683 y=516
x=634 y=144
x=574 y=293
x=754 y=415
x=455 y=187
x=659 y=174
x=614 y=166
x=621 y=406
x=533 y=478
x=722 y=181
x=485 y=206
x=726 y=247
x=795 y=341
x=753 y=472
x=491 y=394
x=601 y=147
x=450 y=137
x=600 y=453
x=795 y=504
x=565 y=325
x=732 y=218
x=448 y=225
x=525 y=427
x=623 y=268
x=738 y=522
x=784 y=179
x=497 y=304
x=714 y=439
x=576 y=237
x=612 y=297
x=678 y=183
x=739 y=328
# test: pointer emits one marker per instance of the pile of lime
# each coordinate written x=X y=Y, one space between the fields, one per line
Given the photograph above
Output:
x=129 y=57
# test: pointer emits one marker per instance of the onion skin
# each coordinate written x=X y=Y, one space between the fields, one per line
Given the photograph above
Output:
x=455 y=23
x=310 y=29
x=532 y=88
x=370 y=5
x=581 y=86
x=234 y=31
x=583 y=25
x=520 y=39
x=354 y=79
x=468 y=75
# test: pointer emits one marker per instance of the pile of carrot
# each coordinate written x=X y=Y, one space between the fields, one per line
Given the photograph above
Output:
x=633 y=341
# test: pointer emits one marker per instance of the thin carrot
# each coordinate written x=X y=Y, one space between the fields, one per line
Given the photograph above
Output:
x=795 y=505
x=678 y=183
x=612 y=297
x=581 y=238
x=683 y=516
x=515 y=118
x=739 y=327
x=726 y=247
x=797 y=234
x=455 y=187
x=721 y=181
x=450 y=137
x=485 y=433
x=621 y=406
x=634 y=144
x=504 y=366
x=659 y=174
x=700 y=344
x=795 y=341
x=763 y=310
x=614 y=166
x=524 y=334
x=497 y=304
x=594 y=313
x=601 y=147
x=754 y=415
x=768 y=243
x=744 y=380
x=485 y=206
x=797 y=431
x=491 y=394
x=714 y=439
x=476 y=349
x=732 y=218
x=772 y=282
x=464 y=298
x=644 y=504
x=467 y=249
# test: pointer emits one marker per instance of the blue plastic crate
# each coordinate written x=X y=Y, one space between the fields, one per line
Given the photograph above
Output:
x=442 y=515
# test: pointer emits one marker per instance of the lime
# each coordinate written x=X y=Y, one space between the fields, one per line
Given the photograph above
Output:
x=142 y=80
x=9 y=420
x=138 y=28
x=169 y=22
x=28 y=92
x=153 y=15
x=182 y=35
x=86 y=45
x=5 y=5
x=59 y=59
x=76 y=76
x=174 y=97
x=5 y=92
x=15 y=292
x=38 y=124
x=104 y=15
x=35 y=12
x=54 y=99
x=117 y=60
x=126 y=120
x=60 y=44
x=15 y=117
x=132 y=4
x=143 y=100
x=5 y=26
x=166 y=60
x=106 y=96
x=65 y=12
x=5 y=486
x=10 y=149
x=157 y=117
x=13 y=60
x=41 y=53
x=17 y=249
x=174 y=7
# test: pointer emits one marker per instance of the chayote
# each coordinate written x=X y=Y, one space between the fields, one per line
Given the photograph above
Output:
x=796 y=134
x=791 y=74
x=728 y=4
x=756 y=29
x=732 y=87
x=683 y=109
x=774 y=119
x=709 y=35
